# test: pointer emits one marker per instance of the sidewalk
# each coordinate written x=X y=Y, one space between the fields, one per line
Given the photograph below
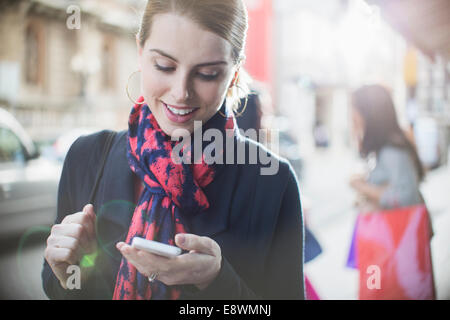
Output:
x=436 y=191
x=331 y=217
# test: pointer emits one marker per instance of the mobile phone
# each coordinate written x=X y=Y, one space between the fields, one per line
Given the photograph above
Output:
x=156 y=247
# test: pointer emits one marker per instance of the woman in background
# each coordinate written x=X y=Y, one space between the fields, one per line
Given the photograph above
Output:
x=394 y=181
x=394 y=234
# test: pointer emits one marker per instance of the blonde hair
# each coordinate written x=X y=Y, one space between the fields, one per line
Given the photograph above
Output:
x=226 y=18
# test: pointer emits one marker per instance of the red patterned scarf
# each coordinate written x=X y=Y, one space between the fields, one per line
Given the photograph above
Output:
x=172 y=192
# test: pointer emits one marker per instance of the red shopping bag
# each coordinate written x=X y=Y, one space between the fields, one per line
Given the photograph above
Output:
x=393 y=253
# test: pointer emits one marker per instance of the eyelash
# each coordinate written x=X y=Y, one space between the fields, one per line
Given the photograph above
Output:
x=202 y=76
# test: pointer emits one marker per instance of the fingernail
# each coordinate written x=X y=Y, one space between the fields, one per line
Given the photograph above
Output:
x=89 y=209
x=181 y=238
x=119 y=245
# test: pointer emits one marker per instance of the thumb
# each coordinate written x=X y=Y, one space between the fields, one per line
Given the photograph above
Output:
x=89 y=212
x=199 y=244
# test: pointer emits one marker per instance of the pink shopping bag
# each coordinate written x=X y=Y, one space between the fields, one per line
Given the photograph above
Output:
x=311 y=293
x=393 y=254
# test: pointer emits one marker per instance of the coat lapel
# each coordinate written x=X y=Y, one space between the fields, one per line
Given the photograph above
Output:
x=116 y=194
x=220 y=193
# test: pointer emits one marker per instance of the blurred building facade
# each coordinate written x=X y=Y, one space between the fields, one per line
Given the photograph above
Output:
x=54 y=77
x=309 y=54
x=325 y=49
x=65 y=64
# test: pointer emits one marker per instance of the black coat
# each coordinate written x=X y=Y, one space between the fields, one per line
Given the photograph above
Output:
x=256 y=219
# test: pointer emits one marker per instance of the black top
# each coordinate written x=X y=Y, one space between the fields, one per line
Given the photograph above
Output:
x=256 y=220
x=250 y=117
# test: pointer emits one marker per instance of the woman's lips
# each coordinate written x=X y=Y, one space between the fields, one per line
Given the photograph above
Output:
x=178 y=118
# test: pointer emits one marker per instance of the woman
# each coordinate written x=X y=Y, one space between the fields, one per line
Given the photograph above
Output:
x=394 y=182
x=390 y=245
x=241 y=230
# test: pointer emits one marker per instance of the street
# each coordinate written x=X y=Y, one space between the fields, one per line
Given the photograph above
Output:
x=20 y=268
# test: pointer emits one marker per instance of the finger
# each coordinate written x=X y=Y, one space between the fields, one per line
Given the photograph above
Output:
x=148 y=263
x=92 y=218
x=72 y=230
x=86 y=218
x=140 y=255
x=86 y=215
x=191 y=242
x=192 y=259
x=191 y=268
x=63 y=242
x=132 y=256
x=82 y=219
x=58 y=255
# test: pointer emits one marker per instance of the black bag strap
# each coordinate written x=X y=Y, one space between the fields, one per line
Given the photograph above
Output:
x=105 y=152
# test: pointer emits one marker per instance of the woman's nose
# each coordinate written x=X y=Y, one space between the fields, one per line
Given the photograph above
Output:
x=180 y=89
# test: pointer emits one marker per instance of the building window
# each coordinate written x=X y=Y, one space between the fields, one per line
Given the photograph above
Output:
x=34 y=54
x=108 y=63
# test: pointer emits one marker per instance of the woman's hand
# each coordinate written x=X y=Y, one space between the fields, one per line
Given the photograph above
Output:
x=369 y=195
x=357 y=182
x=69 y=241
x=199 y=267
x=364 y=205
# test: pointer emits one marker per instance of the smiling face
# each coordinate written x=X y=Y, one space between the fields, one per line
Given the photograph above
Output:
x=186 y=72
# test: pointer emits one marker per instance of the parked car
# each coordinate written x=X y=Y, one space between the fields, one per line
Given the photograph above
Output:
x=28 y=182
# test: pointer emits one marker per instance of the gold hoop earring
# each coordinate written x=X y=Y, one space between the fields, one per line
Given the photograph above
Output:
x=243 y=109
x=126 y=88
x=237 y=115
